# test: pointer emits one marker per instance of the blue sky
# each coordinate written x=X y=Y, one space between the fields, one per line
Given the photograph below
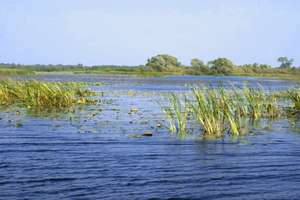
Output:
x=130 y=31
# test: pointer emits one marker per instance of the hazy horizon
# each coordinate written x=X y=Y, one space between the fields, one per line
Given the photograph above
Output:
x=129 y=32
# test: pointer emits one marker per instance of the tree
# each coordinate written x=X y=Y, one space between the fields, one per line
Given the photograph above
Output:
x=285 y=62
x=198 y=65
x=221 y=66
x=255 y=68
x=163 y=62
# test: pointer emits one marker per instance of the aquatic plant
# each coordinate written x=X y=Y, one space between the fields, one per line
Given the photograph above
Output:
x=43 y=95
x=221 y=111
x=294 y=96
x=271 y=107
x=177 y=113
x=255 y=98
x=169 y=115
x=208 y=112
x=15 y=71
x=235 y=110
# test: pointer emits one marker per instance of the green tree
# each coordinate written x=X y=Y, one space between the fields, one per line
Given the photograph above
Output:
x=221 y=66
x=255 y=68
x=285 y=62
x=199 y=66
x=163 y=62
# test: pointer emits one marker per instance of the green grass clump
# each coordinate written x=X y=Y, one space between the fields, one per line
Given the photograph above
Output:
x=294 y=96
x=43 y=95
x=208 y=112
x=220 y=111
x=177 y=114
x=14 y=71
x=255 y=101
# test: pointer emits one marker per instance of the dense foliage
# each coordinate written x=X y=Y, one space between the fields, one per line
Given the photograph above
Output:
x=164 y=64
x=233 y=111
x=43 y=95
x=285 y=62
x=199 y=66
x=221 y=66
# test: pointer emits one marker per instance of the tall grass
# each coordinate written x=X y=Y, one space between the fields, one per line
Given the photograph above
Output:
x=14 y=71
x=43 y=95
x=294 y=96
x=177 y=114
x=207 y=112
x=220 y=111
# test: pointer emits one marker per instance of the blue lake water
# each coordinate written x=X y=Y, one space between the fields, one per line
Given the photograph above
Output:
x=89 y=154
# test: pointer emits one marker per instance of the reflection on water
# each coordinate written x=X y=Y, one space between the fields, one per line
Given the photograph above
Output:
x=87 y=154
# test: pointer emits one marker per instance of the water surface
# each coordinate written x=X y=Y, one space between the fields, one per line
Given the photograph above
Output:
x=90 y=154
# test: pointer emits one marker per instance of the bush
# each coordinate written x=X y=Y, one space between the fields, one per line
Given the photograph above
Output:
x=221 y=66
x=163 y=62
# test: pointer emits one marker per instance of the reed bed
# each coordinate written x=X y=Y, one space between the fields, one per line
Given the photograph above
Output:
x=294 y=96
x=43 y=95
x=15 y=72
x=207 y=112
x=177 y=114
x=220 y=112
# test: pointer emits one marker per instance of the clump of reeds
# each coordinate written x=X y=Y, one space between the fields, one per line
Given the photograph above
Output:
x=294 y=96
x=271 y=106
x=255 y=102
x=43 y=95
x=207 y=111
x=177 y=114
x=14 y=72
x=221 y=111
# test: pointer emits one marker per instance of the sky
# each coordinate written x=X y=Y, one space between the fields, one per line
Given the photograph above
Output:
x=128 y=32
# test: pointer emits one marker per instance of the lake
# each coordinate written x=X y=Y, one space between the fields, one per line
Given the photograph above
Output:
x=91 y=154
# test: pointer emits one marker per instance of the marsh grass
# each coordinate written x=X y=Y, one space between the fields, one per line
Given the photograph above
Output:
x=43 y=95
x=207 y=111
x=294 y=96
x=220 y=111
x=15 y=71
x=177 y=113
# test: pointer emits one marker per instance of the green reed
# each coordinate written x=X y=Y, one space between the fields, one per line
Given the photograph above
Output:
x=177 y=113
x=208 y=112
x=43 y=95
x=294 y=96
x=220 y=111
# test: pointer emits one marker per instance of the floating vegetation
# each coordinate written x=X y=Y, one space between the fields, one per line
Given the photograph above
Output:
x=220 y=112
x=44 y=95
x=133 y=110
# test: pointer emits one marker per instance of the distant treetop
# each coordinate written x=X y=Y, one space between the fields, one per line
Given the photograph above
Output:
x=163 y=62
x=285 y=62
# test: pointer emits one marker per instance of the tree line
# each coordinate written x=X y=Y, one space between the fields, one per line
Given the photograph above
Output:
x=164 y=62
x=167 y=64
